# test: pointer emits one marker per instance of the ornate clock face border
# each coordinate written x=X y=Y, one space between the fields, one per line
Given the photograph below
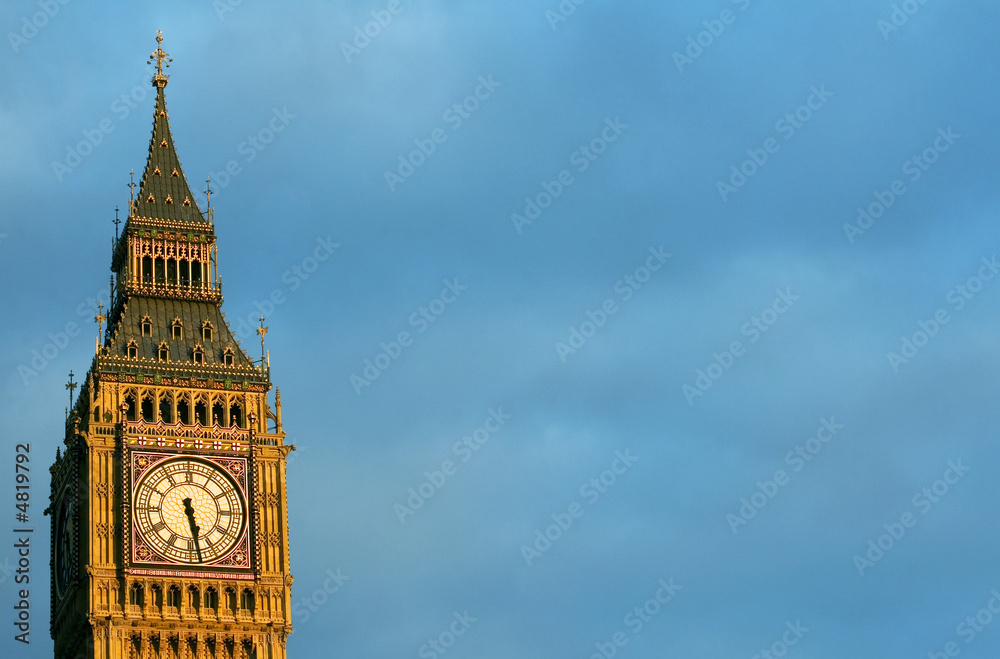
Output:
x=140 y=558
x=65 y=528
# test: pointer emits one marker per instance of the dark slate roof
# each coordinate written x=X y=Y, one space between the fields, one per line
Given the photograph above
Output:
x=160 y=180
x=192 y=314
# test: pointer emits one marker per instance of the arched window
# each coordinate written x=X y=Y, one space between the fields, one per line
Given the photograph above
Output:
x=163 y=352
x=177 y=329
x=174 y=597
x=228 y=357
x=231 y=600
x=247 y=600
x=196 y=273
x=166 y=413
x=206 y=331
x=201 y=413
x=198 y=354
x=236 y=415
x=158 y=270
x=147 y=326
x=130 y=408
x=211 y=599
x=218 y=414
x=172 y=272
x=184 y=412
x=193 y=601
x=136 y=595
x=147 y=270
x=147 y=409
x=132 y=350
x=156 y=596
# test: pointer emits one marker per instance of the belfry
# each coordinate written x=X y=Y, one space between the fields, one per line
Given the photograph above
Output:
x=168 y=500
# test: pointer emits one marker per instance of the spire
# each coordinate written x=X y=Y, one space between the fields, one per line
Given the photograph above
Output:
x=163 y=191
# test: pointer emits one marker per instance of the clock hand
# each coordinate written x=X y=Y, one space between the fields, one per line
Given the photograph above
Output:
x=189 y=511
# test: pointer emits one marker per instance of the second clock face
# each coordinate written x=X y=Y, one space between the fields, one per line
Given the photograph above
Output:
x=189 y=510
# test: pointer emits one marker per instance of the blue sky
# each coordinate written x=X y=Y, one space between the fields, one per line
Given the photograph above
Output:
x=630 y=241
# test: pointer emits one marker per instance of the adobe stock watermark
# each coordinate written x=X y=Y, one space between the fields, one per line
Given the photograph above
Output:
x=305 y=606
x=6 y=569
x=923 y=501
x=363 y=34
x=440 y=644
x=591 y=492
x=120 y=109
x=625 y=287
x=787 y=127
x=957 y=298
x=562 y=12
x=796 y=459
x=252 y=146
x=581 y=159
x=637 y=619
x=421 y=319
x=464 y=449
x=37 y=21
x=455 y=117
x=794 y=631
x=59 y=340
x=701 y=41
x=753 y=329
x=898 y=17
x=913 y=168
x=293 y=278
x=972 y=626
x=223 y=7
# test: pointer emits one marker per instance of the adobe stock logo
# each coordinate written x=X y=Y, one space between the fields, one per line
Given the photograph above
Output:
x=437 y=646
x=591 y=491
x=582 y=158
x=393 y=350
x=714 y=27
x=637 y=619
x=464 y=448
x=455 y=116
x=957 y=297
x=753 y=329
x=29 y=29
x=787 y=127
x=924 y=502
x=625 y=287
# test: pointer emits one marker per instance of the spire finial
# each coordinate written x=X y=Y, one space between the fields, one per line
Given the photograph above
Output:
x=99 y=319
x=159 y=55
x=116 y=223
x=71 y=386
x=131 y=191
x=262 y=331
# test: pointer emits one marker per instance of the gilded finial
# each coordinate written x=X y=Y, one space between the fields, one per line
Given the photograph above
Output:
x=71 y=386
x=99 y=319
x=159 y=55
x=262 y=331
x=131 y=192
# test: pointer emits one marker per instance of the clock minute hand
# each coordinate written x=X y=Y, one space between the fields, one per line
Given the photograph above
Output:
x=189 y=511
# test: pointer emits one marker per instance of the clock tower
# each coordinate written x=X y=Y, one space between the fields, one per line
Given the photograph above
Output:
x=168 y=504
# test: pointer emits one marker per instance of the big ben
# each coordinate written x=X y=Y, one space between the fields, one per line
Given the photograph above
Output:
x=168 y=500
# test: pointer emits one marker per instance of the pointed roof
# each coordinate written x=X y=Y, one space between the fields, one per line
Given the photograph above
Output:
x=164 y=193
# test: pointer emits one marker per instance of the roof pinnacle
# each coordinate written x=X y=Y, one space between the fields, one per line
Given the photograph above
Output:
x=159 y=55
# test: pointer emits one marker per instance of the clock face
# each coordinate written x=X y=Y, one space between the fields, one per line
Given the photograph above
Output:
x=63 y=545
x=189 y=510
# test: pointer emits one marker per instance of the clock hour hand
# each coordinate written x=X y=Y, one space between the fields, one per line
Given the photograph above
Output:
x=189 y=511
